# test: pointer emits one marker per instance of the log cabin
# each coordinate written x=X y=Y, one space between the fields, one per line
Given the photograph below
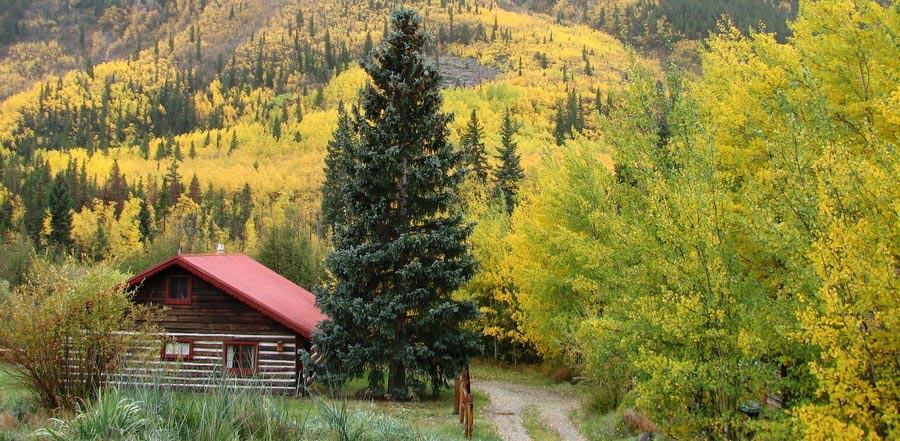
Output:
x=226 y=316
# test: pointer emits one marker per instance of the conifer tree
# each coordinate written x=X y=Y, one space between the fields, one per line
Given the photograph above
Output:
x=509 y=173
x=60 y=204
x=194 y=189
x=473 y=148
x=234 y=142
x=176 y=188
x=145 y=222
x=34 y=198
x=399 y=251
x=337 y=166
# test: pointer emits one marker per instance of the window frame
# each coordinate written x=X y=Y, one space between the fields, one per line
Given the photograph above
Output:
x=190 y=355
x=184 y=301
x=239 y=371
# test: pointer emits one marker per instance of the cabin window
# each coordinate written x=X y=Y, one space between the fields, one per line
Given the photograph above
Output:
x=178 y=290
x=177 y=349
x=240 y=358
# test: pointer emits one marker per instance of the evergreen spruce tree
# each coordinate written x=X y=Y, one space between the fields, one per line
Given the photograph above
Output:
x=473 y=148
x=509 y=173
x=176 y=188
x=337 y=166
x=34 y=197
x=194 y=189
x=560 y=126
x=399 y=250
x=145 y=222
x=61 y=205
x=234 y=142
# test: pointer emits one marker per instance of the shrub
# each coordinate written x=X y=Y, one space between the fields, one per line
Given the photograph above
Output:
x=67 y=328
x=637 y=422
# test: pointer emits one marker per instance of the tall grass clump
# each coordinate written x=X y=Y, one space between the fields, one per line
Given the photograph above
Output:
x=111 y=416
x=224 y=411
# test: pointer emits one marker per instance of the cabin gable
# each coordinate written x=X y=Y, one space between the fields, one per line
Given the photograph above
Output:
x=209 y=309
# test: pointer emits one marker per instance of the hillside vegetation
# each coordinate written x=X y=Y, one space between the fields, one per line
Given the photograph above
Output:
x=228 y=128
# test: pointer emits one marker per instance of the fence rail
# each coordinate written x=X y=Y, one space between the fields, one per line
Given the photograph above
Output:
x=463 y=402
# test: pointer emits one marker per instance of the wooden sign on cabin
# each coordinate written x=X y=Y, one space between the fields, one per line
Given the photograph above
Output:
x=226 y=315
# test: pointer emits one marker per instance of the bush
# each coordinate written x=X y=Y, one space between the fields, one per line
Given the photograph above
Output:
x=16 y=256
x=68 y=327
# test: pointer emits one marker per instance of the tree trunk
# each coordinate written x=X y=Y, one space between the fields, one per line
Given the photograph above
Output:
x=397 y=380
x=397 y=373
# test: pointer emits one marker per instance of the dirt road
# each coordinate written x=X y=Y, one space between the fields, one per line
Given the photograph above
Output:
x=509 y=401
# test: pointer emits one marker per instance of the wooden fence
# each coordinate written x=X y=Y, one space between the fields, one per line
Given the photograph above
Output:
x=463 y=404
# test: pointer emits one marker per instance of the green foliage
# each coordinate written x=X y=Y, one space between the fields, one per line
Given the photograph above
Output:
x=60 y=206
x=293 y=254
x=16 y=257
x=399 y=250
x=714 y=264
x=509 y=173
x=103 y=419
x=473 y=148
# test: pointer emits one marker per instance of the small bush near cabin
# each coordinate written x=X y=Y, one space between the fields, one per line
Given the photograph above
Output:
x=67 y=327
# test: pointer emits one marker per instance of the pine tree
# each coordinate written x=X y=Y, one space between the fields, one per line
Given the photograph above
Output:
x=145 y=222
x=176 y=188
x=234 y=142
x=177 y=152
x=192 y=151
x=399 y=251
x=34 y=198
x=473 y=148
x=337 y=166
x=509 y=173
x=560 y=127
x=367 y=45
x=194 y=189
x=276 y=128
x=61 y=205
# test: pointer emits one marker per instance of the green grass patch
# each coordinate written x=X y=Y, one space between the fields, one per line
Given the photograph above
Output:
x=9 y=385
x=436 y=416
x=603 y=427
x=530 y=375
x=534 y=425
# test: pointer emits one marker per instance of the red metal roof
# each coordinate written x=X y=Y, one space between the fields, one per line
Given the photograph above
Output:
x=252 y=283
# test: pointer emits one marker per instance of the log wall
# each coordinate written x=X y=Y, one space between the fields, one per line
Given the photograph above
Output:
x=211 y=319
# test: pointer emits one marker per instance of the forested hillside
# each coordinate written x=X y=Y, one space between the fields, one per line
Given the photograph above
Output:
x=672 y=29
x=211 y=124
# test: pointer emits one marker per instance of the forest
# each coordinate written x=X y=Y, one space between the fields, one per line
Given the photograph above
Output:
x=688 y=236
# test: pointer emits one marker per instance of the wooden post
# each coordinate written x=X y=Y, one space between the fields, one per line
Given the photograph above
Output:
x=456 y=397
x=462 y=406
x=470 y=415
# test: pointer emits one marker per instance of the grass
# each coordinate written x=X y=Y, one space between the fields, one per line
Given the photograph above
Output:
x=603 y=427
x=529 y=375
x=9 y=386
x=534 y=425
x=225 y=413
x=324 y=418
x=437 y=416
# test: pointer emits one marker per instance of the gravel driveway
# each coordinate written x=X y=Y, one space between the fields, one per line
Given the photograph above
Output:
x=509 y=401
